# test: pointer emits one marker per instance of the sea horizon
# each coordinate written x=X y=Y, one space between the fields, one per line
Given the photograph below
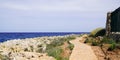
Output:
x=44 y=32
x=4 y=36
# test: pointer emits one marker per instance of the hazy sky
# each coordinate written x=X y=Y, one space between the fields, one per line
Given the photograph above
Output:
x=54 y=15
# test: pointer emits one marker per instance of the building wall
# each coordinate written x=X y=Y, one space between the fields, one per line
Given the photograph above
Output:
x=108 y=26
x=115 y=21
x=113 y=24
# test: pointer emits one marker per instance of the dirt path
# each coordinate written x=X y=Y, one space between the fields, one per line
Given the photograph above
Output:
x=82 y=51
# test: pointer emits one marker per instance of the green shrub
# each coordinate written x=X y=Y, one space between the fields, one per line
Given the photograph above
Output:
x=112 y=47
x=71 y=46
x=94 y=43
x=107 y=40
x=68 y=38
x=98 y=32
x=3 y=57
x=88 y=41
x=91 y=40
x=54 y=49
x=55 y=52
x=118 y=46
x=61 y=41
x=65 y=58
x=57 y=43
x=71 y=37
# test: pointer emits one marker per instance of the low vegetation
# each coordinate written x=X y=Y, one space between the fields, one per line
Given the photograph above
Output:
x=107 y=40
x=55 y=52
x=57 y=47
x=98 y=32
x=97 y=42
x=107 y=45
x=112 y=47
x=3 y=57
x=97 y=38
x=71 y=46
x=54 y=49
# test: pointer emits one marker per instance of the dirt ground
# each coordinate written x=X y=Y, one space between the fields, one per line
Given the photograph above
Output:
x=82 y=51
x=108 y=55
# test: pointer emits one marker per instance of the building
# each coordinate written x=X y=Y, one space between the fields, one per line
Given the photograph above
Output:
x=113 y=24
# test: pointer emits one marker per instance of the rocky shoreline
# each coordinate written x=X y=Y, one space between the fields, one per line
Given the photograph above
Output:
x=28 y=49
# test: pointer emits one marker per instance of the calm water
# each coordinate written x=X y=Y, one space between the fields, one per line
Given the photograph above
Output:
x=11 y=35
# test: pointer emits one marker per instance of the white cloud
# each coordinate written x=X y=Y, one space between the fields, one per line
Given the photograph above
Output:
x=16 y=6
x=60 y=5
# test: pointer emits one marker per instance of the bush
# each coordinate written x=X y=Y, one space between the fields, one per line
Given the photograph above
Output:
x=71 y=46
x=88 y=41
x=98 y=32
x=56 y=43
x=55 y=52
x=3 y=57
x=118 y=46
x=112 y=47
x=94 y=43
x=107 y=40
x=71 y=37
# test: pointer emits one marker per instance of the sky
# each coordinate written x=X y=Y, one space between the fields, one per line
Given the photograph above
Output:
x=54 y=15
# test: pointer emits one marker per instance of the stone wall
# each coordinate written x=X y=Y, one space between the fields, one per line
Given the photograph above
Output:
x=113 y=35
x=116 y=37
x=108 y=26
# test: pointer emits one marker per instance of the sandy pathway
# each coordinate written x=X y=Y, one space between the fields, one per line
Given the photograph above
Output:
x=82 y=51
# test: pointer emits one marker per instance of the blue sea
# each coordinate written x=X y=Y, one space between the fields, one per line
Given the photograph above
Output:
x=22 y=35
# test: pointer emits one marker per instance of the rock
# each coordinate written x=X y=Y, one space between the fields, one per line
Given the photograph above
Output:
x=27 y=49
